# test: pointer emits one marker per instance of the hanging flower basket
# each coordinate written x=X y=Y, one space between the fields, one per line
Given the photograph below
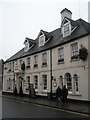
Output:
x=83 y=53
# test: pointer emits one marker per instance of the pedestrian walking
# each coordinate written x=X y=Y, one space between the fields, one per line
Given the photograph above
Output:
x=64 y=94
x=59 y=96
x=32 y=92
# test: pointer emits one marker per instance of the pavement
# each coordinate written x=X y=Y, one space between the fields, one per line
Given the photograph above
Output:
x=73 y=106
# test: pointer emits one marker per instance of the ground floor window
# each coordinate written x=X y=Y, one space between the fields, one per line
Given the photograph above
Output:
x=75 y=78
x=9 y=84
x=27 y=82
x=61 y=81
x=36 y=82
x=68 y=81
x=44 y=78
x=71 y=82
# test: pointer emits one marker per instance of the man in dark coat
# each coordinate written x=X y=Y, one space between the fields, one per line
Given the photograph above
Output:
x=64 y=94
x=59 y=95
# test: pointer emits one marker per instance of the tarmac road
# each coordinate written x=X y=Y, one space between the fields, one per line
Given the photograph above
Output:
x=16 y=109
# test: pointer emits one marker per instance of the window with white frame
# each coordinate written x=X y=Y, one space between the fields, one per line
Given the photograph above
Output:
x=74 y=50
x=41 y=40
x=20 y=62
x=27 y=82
x=75 y=77
x=60 y=54
x=26 y=46
x=61 y=81
x=36 y=81
x=44 y=78
x=9 y=83
x=36 y=61
x=28 y=62
x=9 y=66
x=66 y=29
x=68 y=81
x=44 y=59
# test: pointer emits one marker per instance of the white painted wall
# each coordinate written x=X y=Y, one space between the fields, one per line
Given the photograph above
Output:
x=73 y=67
x=82 y=69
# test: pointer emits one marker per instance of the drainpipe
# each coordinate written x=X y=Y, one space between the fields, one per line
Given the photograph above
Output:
x=51 y=73
x=2 y=72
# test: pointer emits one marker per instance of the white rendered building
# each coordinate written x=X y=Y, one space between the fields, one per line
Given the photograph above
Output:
x=56 y=58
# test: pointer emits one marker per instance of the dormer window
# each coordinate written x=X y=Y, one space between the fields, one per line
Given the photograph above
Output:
x=41 y=39
x=29 y=43
x=66 y=29
x=44 y=38
x=26 y=46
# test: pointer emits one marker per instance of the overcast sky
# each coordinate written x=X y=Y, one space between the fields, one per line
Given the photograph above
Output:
x=25 y=18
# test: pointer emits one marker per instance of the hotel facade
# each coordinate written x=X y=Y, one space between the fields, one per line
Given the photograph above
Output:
x=56 y=58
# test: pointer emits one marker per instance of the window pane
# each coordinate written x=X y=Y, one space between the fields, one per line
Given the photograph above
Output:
x=44 y=82
x=66 y=29
x=68 y=81
x=28 y=61
x=36 y=81
x=76 y=82
x=74 y=49
x=35 y=59
x=61 y=53
x=44 y=57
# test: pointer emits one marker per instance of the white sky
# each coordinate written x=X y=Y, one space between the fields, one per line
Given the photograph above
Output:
x=25 y=18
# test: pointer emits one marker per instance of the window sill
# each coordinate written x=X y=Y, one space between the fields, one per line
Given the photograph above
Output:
x=36 y=90
x=44 y=91
x=10 y=71
x=35 y=67
x=44 y=66
x=72 y=60
x=28 y=67
x=61 y=62
x=74 y=94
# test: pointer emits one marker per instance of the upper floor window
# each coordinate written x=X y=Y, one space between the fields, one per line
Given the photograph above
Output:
x=60 y=54
x=28 y=62
x=36 y=61
x=10 y=66
x=74 y=51
x=20 y=62
x=44 y=59
x=66 y=29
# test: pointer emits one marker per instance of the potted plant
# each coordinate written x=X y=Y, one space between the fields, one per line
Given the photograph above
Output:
x=83 y=53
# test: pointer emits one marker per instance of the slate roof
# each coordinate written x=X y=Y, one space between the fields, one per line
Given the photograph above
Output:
x=30 y=40
x=56 y=39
